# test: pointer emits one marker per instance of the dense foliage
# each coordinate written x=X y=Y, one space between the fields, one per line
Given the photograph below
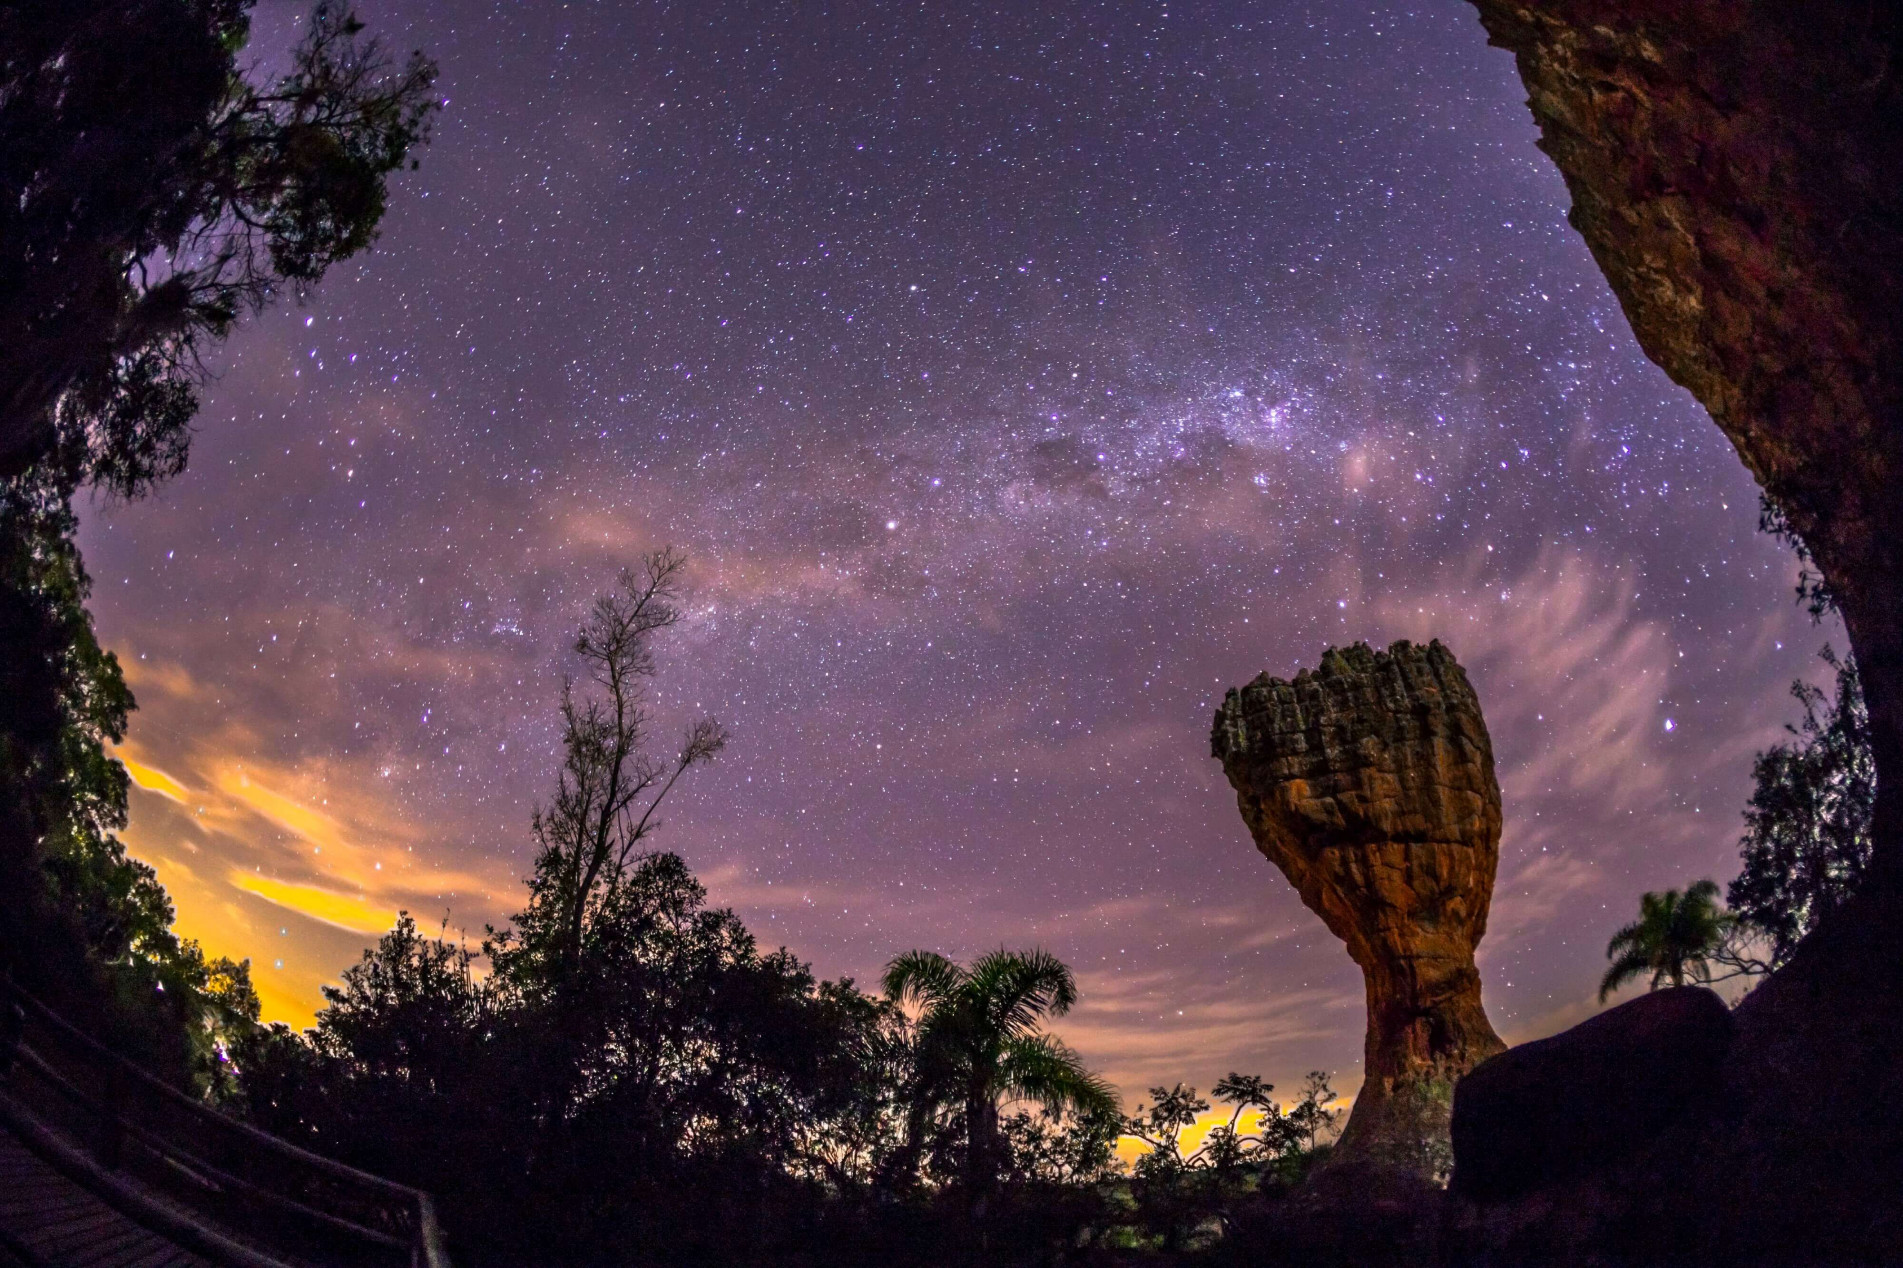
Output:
x=154 y=195
x=1807 y=825
x=151 y=195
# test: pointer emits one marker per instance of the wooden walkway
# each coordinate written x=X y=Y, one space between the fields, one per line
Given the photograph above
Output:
x=47 y=1221
x=103 y=1165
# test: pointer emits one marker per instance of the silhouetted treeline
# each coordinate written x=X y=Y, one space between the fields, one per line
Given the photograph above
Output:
x=623 y=1075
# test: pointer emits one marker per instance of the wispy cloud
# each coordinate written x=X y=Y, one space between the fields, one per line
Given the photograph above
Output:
x=152 y=779
x=344 y=911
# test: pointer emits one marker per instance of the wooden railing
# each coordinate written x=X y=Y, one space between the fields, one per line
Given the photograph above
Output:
x=217 y=1186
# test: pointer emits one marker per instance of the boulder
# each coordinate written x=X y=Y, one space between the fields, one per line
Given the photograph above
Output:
x=1590 y=1097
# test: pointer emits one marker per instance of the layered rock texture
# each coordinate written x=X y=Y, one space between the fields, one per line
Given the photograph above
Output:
x=1369 y=781
x=1734 y=169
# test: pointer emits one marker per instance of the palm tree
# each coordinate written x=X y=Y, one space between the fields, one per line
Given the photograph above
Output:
x=978 y=1044
x=1674 y=937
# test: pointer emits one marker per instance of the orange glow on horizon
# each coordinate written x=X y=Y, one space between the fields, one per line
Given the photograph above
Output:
x=1191 y=1138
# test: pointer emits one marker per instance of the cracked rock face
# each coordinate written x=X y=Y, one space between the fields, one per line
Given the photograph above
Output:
x=1369 y=781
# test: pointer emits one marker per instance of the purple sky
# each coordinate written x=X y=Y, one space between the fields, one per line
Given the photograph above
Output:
x=1018 y=378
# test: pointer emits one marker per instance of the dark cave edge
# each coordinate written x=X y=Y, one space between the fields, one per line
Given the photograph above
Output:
x=1733 y=171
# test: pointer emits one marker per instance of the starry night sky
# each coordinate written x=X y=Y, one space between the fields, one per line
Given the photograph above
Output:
x=1017 y=377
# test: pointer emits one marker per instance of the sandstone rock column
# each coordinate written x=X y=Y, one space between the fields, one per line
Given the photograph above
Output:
x=1369 y=781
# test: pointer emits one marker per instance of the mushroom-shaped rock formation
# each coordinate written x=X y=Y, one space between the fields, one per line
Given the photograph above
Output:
x=1369 y=781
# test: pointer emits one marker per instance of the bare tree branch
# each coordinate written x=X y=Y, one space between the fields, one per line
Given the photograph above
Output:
x=611 y=786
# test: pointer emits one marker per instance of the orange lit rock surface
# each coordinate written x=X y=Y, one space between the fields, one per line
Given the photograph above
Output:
x=1369 y=781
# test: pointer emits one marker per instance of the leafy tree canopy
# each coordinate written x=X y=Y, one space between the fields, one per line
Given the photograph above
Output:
x=152 y=193
x=1807 y=826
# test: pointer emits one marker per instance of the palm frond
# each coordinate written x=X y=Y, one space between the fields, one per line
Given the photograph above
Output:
x=1019 y=987
x=924 y=976
x=1040 y=1068
x=1675 y=937
x=1632 y=963
x=952 y=1032
x=1626 y=939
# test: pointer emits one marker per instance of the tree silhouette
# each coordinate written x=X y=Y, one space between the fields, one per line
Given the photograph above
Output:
x=1675 y=938
x=151 y=195
x=610 y=788
x=1807 y=825
x=1176 y=1192
x=978 y=1044
x=634 y=1060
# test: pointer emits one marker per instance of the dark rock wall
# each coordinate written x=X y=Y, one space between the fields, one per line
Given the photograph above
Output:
x=1736 y=168
x=1513 y=1134
x=1369 y=781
